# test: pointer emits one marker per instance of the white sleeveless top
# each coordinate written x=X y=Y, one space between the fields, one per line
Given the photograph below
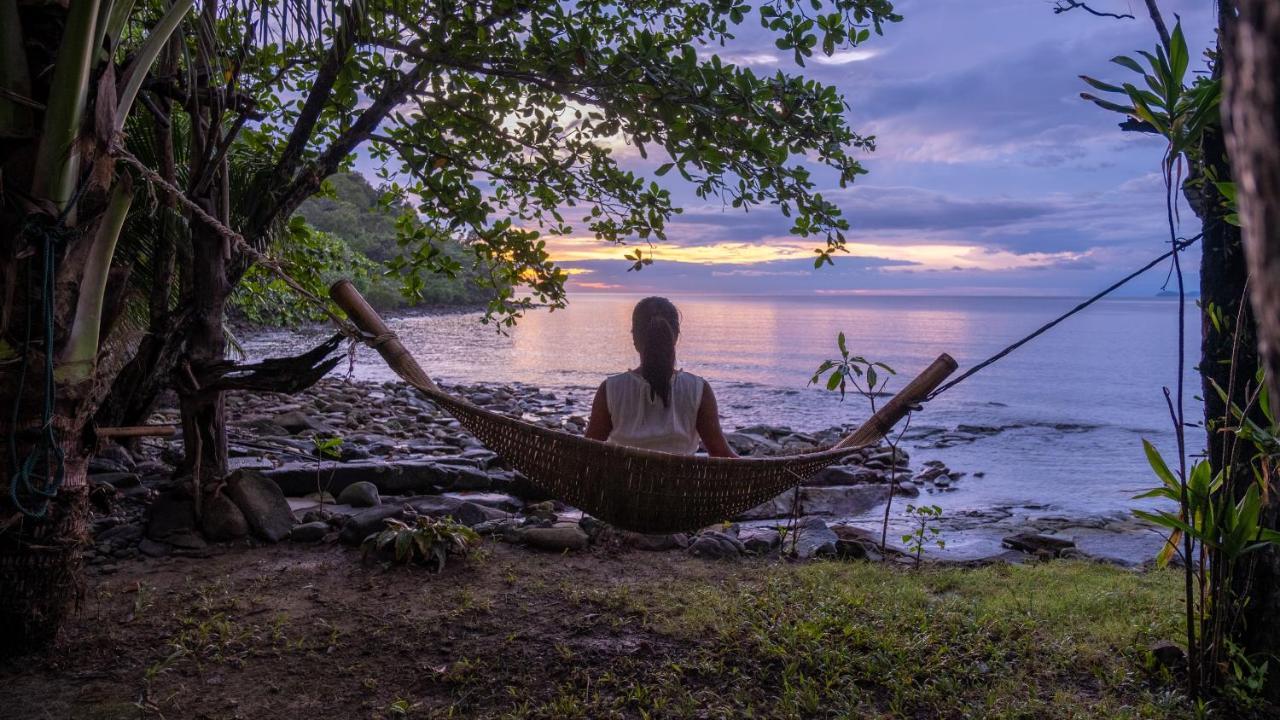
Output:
x=640 y=420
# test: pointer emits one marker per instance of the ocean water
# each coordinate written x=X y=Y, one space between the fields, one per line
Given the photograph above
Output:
x=1055 y=429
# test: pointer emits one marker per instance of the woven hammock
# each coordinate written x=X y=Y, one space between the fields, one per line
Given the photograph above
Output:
x=641 y=490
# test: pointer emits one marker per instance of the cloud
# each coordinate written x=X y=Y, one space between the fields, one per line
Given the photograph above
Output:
x=747 y=58
x=991 y=175
x=872 y=207
x=844 y=57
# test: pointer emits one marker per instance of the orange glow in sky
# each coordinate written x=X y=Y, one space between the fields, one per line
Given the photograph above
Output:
x=922 y=255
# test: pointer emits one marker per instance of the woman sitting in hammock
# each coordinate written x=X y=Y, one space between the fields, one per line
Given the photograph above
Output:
x=656 y=406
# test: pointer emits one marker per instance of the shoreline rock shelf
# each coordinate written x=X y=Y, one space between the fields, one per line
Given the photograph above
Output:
x=333 y=462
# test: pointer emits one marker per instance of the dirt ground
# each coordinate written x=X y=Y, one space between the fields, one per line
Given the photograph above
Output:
x=306 y=631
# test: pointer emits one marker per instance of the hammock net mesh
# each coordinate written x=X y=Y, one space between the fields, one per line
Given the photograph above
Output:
x=640 y=490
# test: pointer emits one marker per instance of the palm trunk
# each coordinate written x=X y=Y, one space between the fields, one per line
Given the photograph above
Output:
x=40 y=568
x=43 y=505
x=15 y=116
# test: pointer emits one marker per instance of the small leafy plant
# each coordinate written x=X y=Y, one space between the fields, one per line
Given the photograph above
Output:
x=853 y=370
x=327 y=447
x=1217 y=526
x=925 y=532
x=869 y=379
x=423 y=541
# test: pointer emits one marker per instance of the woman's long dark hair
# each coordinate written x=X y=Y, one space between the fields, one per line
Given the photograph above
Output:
x=655 y=325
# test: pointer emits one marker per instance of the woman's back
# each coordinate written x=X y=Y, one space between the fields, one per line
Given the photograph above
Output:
x=642 y=420
x=655 y=406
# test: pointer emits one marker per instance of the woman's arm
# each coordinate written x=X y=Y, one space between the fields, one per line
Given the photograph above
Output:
x=599 y=425
x=709 y=425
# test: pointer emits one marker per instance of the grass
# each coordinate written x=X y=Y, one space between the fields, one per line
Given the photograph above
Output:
x=312 y=632
x=861 y=640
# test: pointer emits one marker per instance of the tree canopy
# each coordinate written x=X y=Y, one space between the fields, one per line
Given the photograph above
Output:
x=493 y=120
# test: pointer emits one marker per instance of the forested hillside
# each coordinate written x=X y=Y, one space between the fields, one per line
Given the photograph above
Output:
x=345 y=231
x=353 y=213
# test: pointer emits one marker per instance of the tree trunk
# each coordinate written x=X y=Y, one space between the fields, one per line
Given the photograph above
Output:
x=204 y=431
x=1228 y=353
x=1252 y=118
x=40 y=565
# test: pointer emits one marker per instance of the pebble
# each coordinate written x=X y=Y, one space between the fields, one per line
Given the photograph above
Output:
x=309 y=532
x=557 y=538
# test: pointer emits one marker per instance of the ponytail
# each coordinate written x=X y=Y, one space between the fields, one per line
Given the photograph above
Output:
x=655 y=325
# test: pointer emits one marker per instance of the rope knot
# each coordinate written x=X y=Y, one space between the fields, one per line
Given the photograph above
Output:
x=377 y=341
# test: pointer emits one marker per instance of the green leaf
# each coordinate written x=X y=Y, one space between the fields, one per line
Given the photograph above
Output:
x=1098 y=84
x=1127 y=62
x=1163 y=492
x=833 y=382
x=1107 y=104
x=1178 y=55
x=664 y=169
x=1164 y=519
x=404 y=545
x=1158 y=465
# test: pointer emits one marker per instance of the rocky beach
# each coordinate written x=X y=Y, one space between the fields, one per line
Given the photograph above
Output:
x=333 y=463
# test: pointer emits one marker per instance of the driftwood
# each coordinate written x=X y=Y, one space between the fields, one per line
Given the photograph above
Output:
x=136 y=431
x=283 y=375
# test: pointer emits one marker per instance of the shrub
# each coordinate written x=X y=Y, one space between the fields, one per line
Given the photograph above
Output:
x=423 y=541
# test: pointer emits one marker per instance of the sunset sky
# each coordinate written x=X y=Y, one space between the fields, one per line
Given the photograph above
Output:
x=991 y=175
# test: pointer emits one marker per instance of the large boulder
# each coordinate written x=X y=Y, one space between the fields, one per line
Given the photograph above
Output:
x=837 y=501
x=296 y=421
x=759 y=540
x=115 y=479
x=716 y=545
x=361 y=525
x=171 y=514
x=813 y=538
x=501 y=501
x=842 y=475
x=222 y=519
x=748 y=443
x=1037 y=544
x=470 y=478
x=362 y=494
x=310 y=532
x=398 y=478
x=265 y=509
x=637 y=541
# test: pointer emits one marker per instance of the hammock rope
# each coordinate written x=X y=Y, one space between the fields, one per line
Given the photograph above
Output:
x=1181 y=245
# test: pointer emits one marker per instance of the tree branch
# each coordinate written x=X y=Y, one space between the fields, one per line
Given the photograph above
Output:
x=321 y=90
x=309 y=178
x=1158 y=20
x=1069 y=5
